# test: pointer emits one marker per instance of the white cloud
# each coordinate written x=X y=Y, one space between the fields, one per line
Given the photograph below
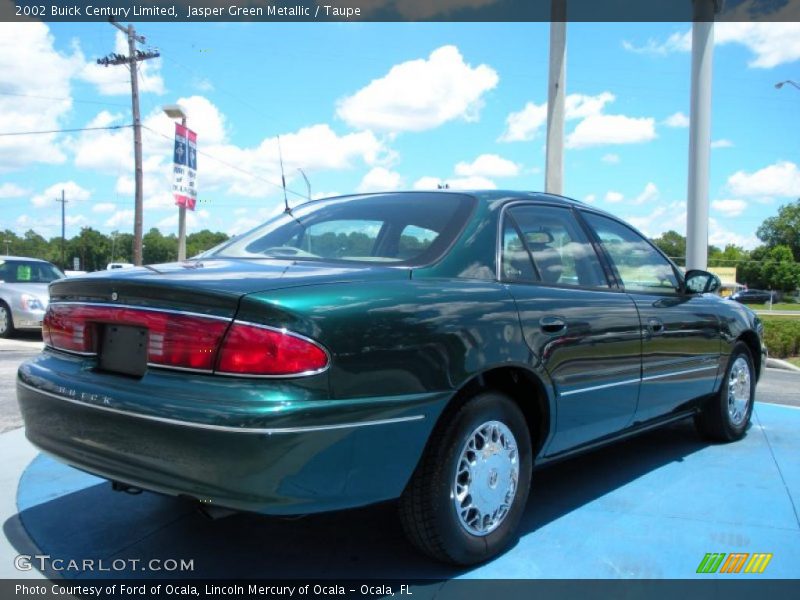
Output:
x=380 y=179
x=677 y=42
x=590 y=198
x=488 y=165
x=649 y=193
x=115 y=80
x=121 y=218
x=31 y=66
x=193 y=219
x=525 y=124
x=420 y=94
x=427 y=183
x=771 y=43
x=72 y=193
x=723 y=143
x=598 y=130
x=104 y=207
x=611 y=159
x=12 y=190
x=614 y=197
x=580 y=106
x=677 y=120
x=779 y=180
x=456 y=183
x=721 y=237
x=730 y=207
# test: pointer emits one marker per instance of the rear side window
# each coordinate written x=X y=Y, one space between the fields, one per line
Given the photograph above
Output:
x=561 y=253
x=640 y=266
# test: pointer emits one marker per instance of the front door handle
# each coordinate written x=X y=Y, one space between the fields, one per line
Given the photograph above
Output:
x=552 y=324
x=656 y=326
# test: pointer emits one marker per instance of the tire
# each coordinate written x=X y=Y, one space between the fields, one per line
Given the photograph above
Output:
x=449 y=472
x=6 y=321
x=725 y=417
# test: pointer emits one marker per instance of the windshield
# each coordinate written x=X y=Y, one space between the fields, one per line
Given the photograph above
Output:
x=28 y=271
x=398 y=228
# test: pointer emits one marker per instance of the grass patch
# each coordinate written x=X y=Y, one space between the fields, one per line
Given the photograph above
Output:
x=795 y=360
x=776 y=306
x=781 y=335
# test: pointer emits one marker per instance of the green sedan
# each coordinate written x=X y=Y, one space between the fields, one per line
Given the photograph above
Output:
x=431 y=347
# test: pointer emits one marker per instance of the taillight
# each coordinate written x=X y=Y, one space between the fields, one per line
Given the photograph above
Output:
x=175 y=339
x=187 y=341
x=255 y=350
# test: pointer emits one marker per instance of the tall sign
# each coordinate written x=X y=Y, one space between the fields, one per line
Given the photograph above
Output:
x=184 y=180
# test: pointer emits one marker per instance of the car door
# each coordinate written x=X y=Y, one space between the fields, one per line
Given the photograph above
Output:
x=681 y=332
x=583 y=333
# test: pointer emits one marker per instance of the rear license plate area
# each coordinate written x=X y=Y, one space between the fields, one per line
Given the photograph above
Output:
x=123 y=349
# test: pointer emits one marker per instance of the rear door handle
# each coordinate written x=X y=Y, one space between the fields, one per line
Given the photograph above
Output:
x=656 y=326
x=552 y=324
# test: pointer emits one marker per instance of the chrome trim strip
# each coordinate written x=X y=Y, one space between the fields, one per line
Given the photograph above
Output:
x=684 y=372
x=146 y=308
x=65 y=351
x=600 y=387
x=641 y=379
x=225 y=428
x=186 y=369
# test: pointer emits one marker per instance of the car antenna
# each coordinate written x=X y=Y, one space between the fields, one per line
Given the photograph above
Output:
x=283 y=178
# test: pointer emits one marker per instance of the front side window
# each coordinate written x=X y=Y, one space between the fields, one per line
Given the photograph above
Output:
x=640 y=266
x=561 y=252
x=407 y=229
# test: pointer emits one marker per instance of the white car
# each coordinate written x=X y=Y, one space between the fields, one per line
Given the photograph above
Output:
x=23 y=292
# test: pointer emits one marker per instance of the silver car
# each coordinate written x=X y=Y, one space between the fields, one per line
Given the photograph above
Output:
x=23 y=292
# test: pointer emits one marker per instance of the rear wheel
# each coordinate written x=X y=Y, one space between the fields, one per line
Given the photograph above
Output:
x=467 y=496
x=726 y=416
x=6 y=322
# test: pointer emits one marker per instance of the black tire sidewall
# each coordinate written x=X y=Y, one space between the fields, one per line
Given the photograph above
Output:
x=732 y=430
x=10 y=323
x=460 y=545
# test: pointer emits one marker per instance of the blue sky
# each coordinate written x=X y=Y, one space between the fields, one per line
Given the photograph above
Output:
x=372 y=106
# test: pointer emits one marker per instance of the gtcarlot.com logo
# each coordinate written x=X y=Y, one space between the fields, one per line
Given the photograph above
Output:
x=45 y=562
x=735 y=562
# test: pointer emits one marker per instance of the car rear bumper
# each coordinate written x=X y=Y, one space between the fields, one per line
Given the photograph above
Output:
x=297 y=460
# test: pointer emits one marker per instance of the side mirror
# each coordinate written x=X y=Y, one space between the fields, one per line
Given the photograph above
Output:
x=701 y=282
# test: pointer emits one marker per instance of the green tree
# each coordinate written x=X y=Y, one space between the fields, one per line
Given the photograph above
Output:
x=783 y=229
x=91 y=247
x=673 y=244
x=203 y=240
x=159 y=248
x=780 y=271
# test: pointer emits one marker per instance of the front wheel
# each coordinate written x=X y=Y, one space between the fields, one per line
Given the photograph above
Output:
x=726 y=416
x=6 y=321
x=467 y=496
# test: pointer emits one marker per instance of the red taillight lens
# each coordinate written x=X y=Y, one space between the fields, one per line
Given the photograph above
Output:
x=175 y=340
x=253 y=350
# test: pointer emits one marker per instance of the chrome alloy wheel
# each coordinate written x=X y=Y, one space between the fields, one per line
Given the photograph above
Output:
x=4 y=319
x=486 y=478
x=738 y=390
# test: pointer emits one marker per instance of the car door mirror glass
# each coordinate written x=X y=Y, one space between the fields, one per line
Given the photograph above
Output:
x=701 y=282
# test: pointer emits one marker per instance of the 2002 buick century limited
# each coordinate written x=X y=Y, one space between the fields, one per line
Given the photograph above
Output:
x=427 y=346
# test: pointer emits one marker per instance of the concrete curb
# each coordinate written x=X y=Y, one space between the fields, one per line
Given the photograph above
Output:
x=776 y=363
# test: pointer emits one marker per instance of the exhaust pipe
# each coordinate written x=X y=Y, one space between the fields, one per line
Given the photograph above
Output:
x=118 y=486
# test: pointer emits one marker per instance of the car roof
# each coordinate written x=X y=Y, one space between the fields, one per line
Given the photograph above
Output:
x=10 y=257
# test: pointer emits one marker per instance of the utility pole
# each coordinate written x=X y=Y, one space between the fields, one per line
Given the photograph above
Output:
x=132 y=59
x=556 y=85
x=700 y=133
x=63 y=227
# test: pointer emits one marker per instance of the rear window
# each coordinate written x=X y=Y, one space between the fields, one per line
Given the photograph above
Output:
x=402 y=229
x=28 y=271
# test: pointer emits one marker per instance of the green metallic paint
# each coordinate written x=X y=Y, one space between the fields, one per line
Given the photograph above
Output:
x=403 y=342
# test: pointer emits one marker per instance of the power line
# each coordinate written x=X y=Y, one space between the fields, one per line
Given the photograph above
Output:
x=77 y=100
x=131 y=60
x=75 y=130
